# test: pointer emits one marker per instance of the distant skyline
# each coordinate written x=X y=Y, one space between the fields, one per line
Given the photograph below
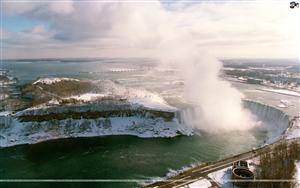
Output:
x=224 y=29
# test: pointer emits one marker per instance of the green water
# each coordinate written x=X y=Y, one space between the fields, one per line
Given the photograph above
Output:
x=116 y=157
x=112 y=157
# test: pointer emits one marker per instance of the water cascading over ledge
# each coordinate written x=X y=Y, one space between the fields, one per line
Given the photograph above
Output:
x=275 y=121
x=23 y=128
x=270 y=119
x=87 y=120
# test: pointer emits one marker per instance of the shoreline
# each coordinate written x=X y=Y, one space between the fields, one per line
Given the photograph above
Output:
x=200 y=172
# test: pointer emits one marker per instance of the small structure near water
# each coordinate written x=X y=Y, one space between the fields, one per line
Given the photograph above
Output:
x=241 y=173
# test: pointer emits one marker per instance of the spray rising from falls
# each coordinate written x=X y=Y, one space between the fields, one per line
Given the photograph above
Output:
x=149 y=29
x=217 y=106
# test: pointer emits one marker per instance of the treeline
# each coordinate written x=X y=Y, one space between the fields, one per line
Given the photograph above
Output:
x=278 y=165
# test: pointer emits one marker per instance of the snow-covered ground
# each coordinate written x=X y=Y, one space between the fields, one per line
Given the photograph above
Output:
x=223 y=177
x=87 y=97
x=110 y=89
x=282 y=91
x=52 y=80
x=3 y=96
x=15 y=132
x=281 y=106
x=148 y=100
x=284 y=103
x=202 y=183
x=141 y=123
x=121 y=69
x=294 y=132
x=133 y=97
x=297 y=174
x=4 y=113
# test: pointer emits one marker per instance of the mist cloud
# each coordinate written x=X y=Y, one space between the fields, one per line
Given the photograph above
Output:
x=189 y=37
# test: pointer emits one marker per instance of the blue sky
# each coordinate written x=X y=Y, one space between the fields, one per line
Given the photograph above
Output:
x=18 y=23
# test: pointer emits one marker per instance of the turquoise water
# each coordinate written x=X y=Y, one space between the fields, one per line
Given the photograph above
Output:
x=116 y=157
x=113 y=157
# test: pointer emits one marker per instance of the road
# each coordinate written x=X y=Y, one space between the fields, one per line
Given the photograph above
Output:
x=200 y=172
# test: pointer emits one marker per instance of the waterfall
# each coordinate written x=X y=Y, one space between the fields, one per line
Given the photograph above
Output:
x=270 y=119
x=275 y=121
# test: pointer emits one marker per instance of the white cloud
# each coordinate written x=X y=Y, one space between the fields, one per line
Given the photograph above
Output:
x=61 y=8
x=15 y=8
x=180 y=35
x=232 y=29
